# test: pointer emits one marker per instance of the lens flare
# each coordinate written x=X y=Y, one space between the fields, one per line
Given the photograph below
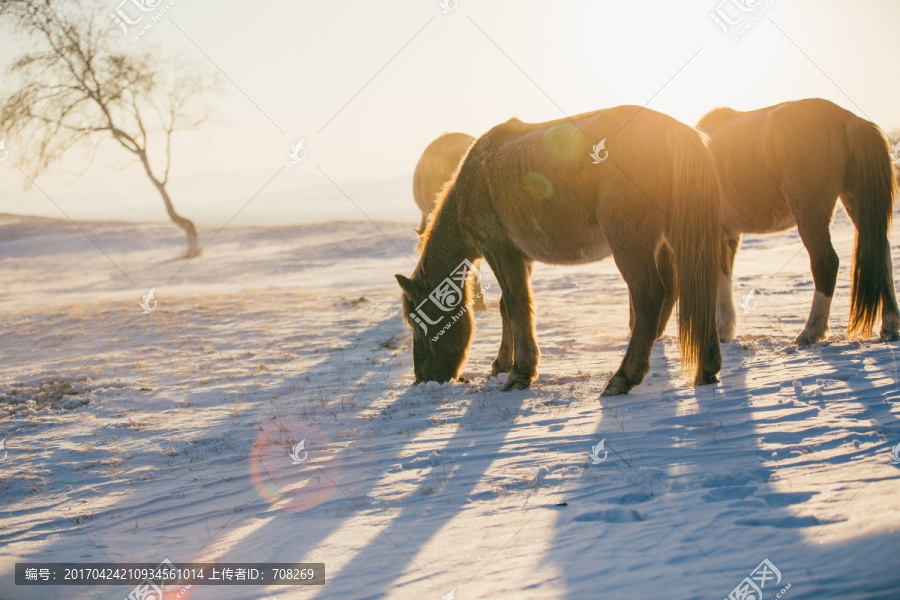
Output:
x=293 y=465
x=538 y=185
x=565 y=142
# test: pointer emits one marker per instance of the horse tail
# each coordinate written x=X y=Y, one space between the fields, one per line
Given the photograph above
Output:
x=694 y=233
x=870 y=189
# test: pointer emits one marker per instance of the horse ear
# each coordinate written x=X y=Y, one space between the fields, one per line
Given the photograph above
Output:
x=408 y=285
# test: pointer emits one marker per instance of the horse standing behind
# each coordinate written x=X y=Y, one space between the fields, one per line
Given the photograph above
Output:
x=435 y=168
x=785 y=166
x=536 y=192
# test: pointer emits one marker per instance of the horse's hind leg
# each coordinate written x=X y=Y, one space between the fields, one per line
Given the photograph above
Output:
x=513 y=272
x=647 y=296
x=725 y=314
x=890 y=313
x=666 y=270
x=824 y=262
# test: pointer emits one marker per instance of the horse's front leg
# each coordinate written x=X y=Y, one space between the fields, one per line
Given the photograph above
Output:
x=513 y=272
x=504 y=361
x=480 y=302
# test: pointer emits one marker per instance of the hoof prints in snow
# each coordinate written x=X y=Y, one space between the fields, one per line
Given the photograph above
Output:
x=783 y=522
x=634 y=498
x=737 y=479
x=613 y=515
x=728 y=493
x=787 y=499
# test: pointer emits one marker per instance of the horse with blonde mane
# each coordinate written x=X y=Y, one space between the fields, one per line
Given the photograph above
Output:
x=785 y=166
x=625 y=182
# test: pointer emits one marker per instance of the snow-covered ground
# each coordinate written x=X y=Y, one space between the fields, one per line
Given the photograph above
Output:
x=135 y=437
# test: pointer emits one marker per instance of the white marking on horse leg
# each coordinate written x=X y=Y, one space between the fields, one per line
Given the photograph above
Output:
x=725 y=314
x=817 y=325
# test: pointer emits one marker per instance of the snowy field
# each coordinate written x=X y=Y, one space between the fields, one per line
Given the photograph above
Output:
x=134 y=437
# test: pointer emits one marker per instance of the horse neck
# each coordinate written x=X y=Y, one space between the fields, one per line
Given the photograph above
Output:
x=447 y=245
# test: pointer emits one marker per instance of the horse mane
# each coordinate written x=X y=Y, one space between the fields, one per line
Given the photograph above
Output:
x=438 y=204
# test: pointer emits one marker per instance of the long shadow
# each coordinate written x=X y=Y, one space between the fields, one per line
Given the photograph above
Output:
x=874 y=556
x=370 y=574
x=878 y=360
x=701 y=503
x=355 y=501
x=352 y=371
x=351 y=363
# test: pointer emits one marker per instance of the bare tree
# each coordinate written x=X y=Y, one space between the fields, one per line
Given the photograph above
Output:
x=77 y=86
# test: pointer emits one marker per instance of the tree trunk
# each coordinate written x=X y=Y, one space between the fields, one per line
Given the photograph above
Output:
x=186 y=224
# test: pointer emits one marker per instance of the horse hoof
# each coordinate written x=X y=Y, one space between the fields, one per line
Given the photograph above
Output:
x=496 y=370
x=889 y=336
x=808 y=339
x=726 y=335
x=706 y=379
x=615 y=387
x=516 y=384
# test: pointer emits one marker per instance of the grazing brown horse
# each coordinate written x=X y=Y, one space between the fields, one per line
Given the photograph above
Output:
x=435 y=168
x=785 y=166
x=628 y=182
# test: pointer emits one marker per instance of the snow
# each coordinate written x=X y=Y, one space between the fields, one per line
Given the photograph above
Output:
x=136 y=437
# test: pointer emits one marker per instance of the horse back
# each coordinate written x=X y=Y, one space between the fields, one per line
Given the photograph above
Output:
x=793 y=152
x=558 y=190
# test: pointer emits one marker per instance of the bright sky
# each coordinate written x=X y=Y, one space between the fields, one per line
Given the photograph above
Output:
x=369 y=84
